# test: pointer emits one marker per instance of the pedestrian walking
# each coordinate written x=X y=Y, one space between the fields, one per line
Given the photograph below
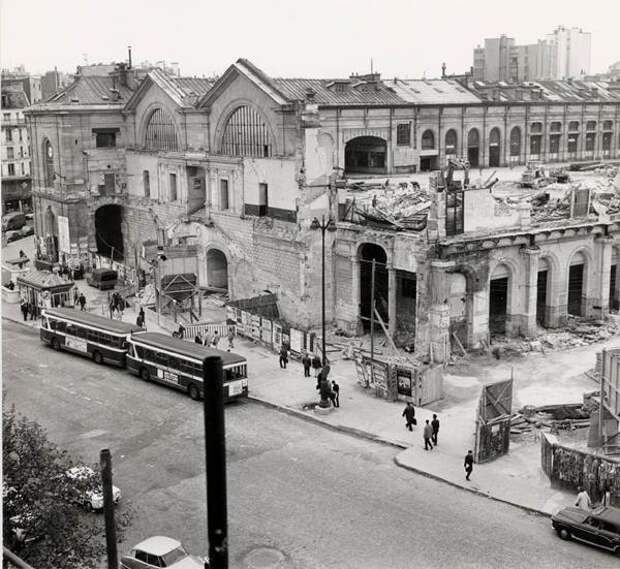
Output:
x=583 y=499
x=207 y=339
x=140 y=320
x=283 y=356
x=435 y=425
x=76 y=295
x=112 y=307
x=469 y=464
x=231 y=338
x=24 y=308
x=306 y=361
x=82 y=301
x=216 y=339
x=409 y=415
x=198 y=338
x=181 y=332
x=428 y=435
x=336 y=394
x=316 y=365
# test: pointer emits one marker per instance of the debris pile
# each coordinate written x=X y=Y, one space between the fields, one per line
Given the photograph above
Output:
x=404 y=206
x=578 y=331
x=569 y=416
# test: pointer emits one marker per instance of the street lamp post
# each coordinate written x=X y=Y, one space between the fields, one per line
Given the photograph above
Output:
x=323 y=225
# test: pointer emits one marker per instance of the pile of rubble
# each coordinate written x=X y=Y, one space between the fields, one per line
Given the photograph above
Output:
x=577 y=332
x=404 y=205
x=569 y=416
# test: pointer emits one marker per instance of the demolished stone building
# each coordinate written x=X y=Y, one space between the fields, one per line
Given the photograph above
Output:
x=231 y=172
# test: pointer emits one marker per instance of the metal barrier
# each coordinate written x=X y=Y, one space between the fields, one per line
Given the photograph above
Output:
x=222 y=329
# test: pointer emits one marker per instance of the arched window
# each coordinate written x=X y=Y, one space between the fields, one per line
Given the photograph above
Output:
x=428 y=140
x=161 y=132
x=48 y=161
x=494 y=137
x=473 y=138
x=451 y=141
x=247 y=134
x=515 y=141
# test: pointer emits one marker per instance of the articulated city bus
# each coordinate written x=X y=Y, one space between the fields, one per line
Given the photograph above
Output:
x=102 y=339
x=177 y=363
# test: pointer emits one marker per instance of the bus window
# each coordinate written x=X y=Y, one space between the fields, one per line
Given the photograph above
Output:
x=71 y=329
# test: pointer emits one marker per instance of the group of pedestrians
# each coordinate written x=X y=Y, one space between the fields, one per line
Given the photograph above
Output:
x=430 y=434
x=117 y=305
x=207 y=339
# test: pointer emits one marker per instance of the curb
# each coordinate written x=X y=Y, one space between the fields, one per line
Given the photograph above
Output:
x=337 y=428
x=527 y=509
x=376 y=439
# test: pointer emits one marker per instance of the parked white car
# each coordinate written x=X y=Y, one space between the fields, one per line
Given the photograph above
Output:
x=160 y=551
x=91 y=499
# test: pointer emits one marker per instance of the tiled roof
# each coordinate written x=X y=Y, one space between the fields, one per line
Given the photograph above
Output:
x=328 y=92
x=44 y=279
x=196 y=85
x=92 y=90
x=432 y=91
x=550 y=91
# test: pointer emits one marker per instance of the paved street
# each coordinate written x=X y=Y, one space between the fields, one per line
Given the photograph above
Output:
x=321 y=498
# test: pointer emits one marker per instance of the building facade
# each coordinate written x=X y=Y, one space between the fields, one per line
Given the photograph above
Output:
x=230 y=173
x=564 y=54
x=15 y=149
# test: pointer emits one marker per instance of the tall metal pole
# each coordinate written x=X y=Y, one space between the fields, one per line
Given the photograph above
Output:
x=602 y=399
x=105 y=460
x=157 y=288
x=215 y=447
x=372 y=311
x=323 y=227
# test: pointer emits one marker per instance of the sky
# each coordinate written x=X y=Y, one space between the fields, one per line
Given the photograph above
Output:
x=315 y=38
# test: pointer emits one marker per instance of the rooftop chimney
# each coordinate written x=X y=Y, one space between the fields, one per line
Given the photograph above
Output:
x=129 y=51
x=443 y=70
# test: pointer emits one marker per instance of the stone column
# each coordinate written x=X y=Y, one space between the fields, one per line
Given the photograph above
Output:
x=527 y=324
x=598 y=307
x=392 y=284
x=439 y=314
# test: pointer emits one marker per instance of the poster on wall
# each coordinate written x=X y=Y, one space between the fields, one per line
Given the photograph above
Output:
x=230 y=313
x=255 y=327
x=404 y=381
x=64 y=245
x=245 y=323
x=277 y=335
x=297 y=340
x=266 y=331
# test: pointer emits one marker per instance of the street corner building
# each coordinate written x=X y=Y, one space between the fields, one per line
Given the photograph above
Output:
x=227 y=175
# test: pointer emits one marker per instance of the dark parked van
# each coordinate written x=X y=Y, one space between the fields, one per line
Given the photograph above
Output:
x=103 y=278
x=11 y=221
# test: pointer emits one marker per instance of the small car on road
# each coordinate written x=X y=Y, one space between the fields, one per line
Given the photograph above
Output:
x=600 y=527
x=91 y=499
x=160 y=551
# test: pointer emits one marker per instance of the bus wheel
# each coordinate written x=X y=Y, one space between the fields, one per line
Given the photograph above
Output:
x=56 y=344
x=193 y=392
x=144 y=374
x=97 y=357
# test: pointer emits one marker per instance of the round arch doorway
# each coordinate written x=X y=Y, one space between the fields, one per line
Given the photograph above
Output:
x=366 y=254
x=217 y=269
x=365 y=155
x=108 y=231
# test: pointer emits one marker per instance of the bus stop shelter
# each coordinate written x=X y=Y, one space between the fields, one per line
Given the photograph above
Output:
x=42 y=289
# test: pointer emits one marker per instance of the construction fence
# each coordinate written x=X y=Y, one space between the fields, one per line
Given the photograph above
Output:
x=570 y=468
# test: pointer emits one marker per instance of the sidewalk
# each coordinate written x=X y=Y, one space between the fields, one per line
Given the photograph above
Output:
x=515 y=478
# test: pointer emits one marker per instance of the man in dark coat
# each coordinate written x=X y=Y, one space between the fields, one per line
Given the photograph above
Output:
x=82 y=301
x=283 y=356
x=469 y=464
x=306 y=362
x=336 y=394
x=435 y=425
x=24 y=309
x=428 y=435
x=409 y=415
